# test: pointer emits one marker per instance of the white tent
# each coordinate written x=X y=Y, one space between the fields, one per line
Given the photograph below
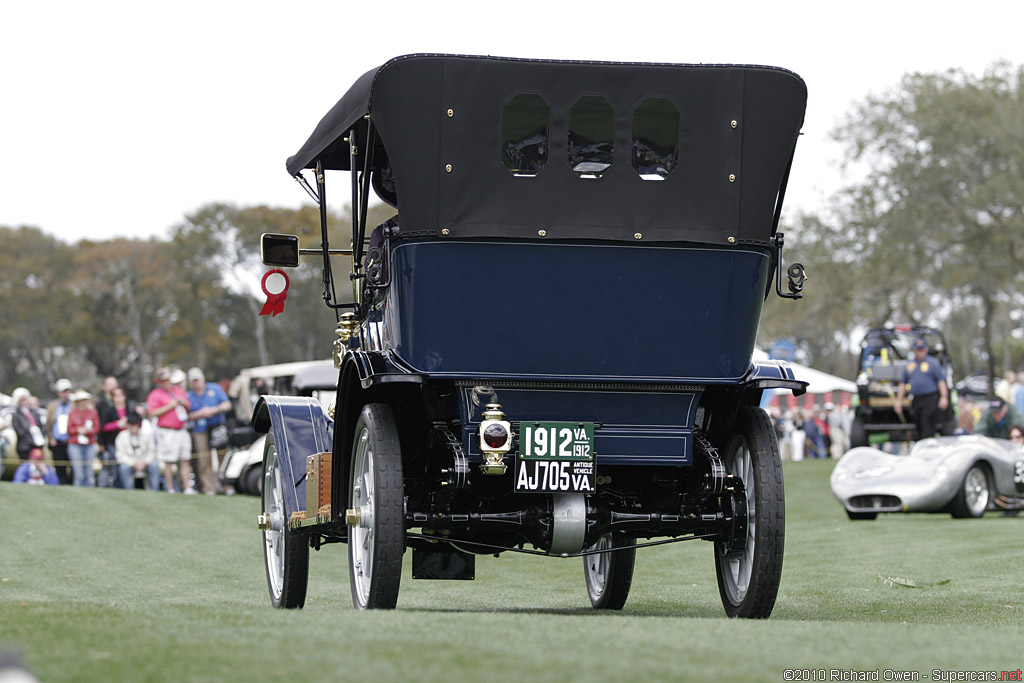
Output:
x=821 y=382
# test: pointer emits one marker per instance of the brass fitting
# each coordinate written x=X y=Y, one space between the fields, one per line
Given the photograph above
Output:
x=347 y=326
x=493 y=464
x=493 y=411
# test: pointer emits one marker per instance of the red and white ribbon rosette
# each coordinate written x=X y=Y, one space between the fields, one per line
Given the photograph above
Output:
x=275 y=285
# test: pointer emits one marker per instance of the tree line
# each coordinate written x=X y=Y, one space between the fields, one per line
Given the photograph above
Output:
x=124 y=307
x=931 y=233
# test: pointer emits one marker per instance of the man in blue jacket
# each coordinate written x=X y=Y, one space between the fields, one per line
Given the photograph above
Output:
x=927 y=383
x=208 y=408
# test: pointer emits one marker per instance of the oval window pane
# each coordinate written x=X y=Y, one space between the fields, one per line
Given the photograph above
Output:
x=655 y=140
x=591 y=132
x=524 y=134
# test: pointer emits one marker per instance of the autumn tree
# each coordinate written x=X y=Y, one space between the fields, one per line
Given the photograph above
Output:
x=126 y=306
x=37 y=305
x=937 y=224
x=820 y=323
x=222 y=242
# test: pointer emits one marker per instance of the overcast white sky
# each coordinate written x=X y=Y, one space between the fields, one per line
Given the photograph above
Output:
x=118 y=118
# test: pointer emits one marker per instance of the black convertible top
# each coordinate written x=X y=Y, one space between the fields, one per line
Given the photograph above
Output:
x=444 y=140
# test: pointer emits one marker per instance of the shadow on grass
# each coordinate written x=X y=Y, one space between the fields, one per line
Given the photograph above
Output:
x=667 y=611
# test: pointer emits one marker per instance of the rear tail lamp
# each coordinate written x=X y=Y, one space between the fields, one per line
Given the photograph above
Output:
x=496 y=435
x=495 y=439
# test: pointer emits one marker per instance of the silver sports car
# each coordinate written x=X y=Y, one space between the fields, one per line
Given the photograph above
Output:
x=962 y=475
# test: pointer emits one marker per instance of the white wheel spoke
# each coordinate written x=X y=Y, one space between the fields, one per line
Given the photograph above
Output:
x=362 y=540
x=597 y=565
x=375 y=544
x=274 y=536
x=976 y=491
x=739 y=566
x=748 y=578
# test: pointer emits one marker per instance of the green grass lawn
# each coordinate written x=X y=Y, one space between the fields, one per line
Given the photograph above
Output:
x=99 y=585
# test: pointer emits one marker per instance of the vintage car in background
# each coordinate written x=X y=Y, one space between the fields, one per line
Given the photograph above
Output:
x=550 y=349
x=961 y=475
x=884 y=354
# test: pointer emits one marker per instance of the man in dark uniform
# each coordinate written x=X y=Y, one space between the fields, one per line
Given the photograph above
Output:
x=928 y=385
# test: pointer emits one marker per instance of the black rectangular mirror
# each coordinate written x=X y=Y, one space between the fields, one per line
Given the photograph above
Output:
x=279 y=250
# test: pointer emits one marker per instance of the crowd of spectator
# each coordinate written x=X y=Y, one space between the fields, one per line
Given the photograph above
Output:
x=823 y=432
x=171 y=441
x=813 y=433
x=110 y=440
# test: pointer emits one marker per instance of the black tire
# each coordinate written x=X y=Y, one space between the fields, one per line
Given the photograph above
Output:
x=858 y=435
x=251 y=482
x=861 y=516
x=376 y=538
x=609 y=575
x=974 y=495
x=748 y=579
x=285 y=552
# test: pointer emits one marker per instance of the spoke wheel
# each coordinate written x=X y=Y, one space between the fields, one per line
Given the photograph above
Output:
x=376 y=531
x=748 y=577
x=609 y=575
x=285 y=552
x=974 y=495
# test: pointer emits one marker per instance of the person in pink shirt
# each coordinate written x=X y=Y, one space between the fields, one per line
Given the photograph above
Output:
x=169 y=405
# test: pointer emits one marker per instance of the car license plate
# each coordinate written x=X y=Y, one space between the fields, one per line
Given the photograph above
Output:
x=556 y=457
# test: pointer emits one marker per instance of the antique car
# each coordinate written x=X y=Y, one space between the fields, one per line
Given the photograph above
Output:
x=884 y=354
x=549 y=350
x=961 y=475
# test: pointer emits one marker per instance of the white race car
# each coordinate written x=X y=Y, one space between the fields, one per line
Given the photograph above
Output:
x=961 y=475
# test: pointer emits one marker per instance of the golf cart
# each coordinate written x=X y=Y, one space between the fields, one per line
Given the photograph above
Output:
x=549 y=352
x=241 y=468
x=884 y=354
